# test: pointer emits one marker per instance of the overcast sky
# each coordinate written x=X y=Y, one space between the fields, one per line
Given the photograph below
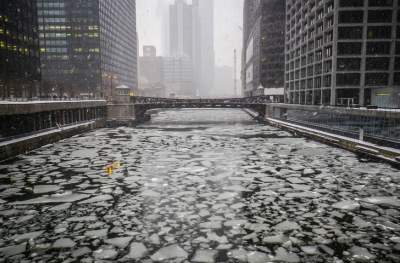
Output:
x=227 y=29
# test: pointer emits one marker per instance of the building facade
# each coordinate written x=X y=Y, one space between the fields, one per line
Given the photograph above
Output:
x=87 y=47
x=203 y=47
x=191 y=38
x=178 y=77
x=178 y=67
x=181 y=29
x=151 y=79
x=264 y=52
x=343 y=52
x=19 y=49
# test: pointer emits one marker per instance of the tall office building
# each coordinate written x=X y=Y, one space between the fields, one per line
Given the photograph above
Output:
x=178 y=66
x=19 y=49
x=343 y=52
x=203 y=47
x=151 y=79
x=87 y=47
x=178 y=77
x=181 y=29
x=191 y=37
x=264 y=53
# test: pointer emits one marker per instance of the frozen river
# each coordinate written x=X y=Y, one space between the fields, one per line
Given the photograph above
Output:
x=197 y=186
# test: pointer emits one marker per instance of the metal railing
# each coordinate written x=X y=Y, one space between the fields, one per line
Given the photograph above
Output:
x=48 y=99
x=222 y=101
x=377 y=129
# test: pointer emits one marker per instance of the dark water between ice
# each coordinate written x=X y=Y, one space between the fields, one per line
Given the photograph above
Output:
x=198 y=186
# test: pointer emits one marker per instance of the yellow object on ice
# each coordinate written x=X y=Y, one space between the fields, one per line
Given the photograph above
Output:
x=109 y=170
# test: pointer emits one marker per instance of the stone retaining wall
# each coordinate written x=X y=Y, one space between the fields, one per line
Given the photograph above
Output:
x=15 y=147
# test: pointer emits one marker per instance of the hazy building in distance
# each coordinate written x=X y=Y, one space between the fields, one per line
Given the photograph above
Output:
x=264 y=48
x=223 y=83
x=181 y=29
x=344 y=53
x=19 y=49
x=178 y=77
x=151 y=79
x=191 y=38
x=87 y=47
x=203 y=46
x=149 y=51
x=178 y=67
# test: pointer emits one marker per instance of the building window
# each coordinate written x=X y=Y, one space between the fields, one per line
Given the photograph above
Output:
x=380 y=16
x=396 y=79
x=350 y=32
x=328 y=66
x=379 y=32
x=348 y=64
x=327 y=80
x=351 y=48
x=351 y=3
x=318 y=83
x=377 y=64
x=378 y=48
x=376 y=79
x=350 y=79
x=397 y=63
x=310 y=84
x=377 y=3
x=350 y=17
x=328 y=52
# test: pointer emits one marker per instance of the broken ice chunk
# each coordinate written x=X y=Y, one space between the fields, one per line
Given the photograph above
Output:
x=137 y=251
x=170 y=252
x=42 y=189
x=204 y=256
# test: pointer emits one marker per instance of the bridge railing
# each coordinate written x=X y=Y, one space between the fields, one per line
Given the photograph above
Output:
x=247 y=100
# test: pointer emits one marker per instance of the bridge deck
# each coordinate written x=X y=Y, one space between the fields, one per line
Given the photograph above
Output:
x=200 y=103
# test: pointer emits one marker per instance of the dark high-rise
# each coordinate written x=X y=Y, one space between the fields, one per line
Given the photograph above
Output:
x=264 y=48
x=88 y=47
x=19 y=49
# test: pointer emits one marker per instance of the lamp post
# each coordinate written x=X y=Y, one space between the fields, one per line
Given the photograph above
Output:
x=111 y=78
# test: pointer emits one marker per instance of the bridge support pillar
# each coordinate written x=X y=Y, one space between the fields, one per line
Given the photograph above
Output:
x=273 y=111
x=120 y=114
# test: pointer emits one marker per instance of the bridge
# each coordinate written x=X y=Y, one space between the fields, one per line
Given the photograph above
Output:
x=144 y=104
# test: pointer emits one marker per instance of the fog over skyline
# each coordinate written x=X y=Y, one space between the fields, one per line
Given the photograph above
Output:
x=227 y=27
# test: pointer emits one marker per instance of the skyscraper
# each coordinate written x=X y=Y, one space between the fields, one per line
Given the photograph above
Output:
x=181 y=29
x=178 y=76
x=343 y=52
x=19 y=49
x=191 y=38
x=88 y=47
x=151 y=79
x=178 y=67
x=264 y=52
x=204 y=57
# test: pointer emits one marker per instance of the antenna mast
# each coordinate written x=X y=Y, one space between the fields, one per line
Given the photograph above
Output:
x=235 y=69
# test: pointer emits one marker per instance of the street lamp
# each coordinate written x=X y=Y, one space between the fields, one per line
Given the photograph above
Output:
x=111 y=77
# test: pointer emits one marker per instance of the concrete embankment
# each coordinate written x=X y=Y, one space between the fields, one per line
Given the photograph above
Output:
x=14 y=147
x=386 y=154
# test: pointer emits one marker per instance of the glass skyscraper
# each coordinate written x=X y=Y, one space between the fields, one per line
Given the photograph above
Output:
x=19 y=49
x=88 y=47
